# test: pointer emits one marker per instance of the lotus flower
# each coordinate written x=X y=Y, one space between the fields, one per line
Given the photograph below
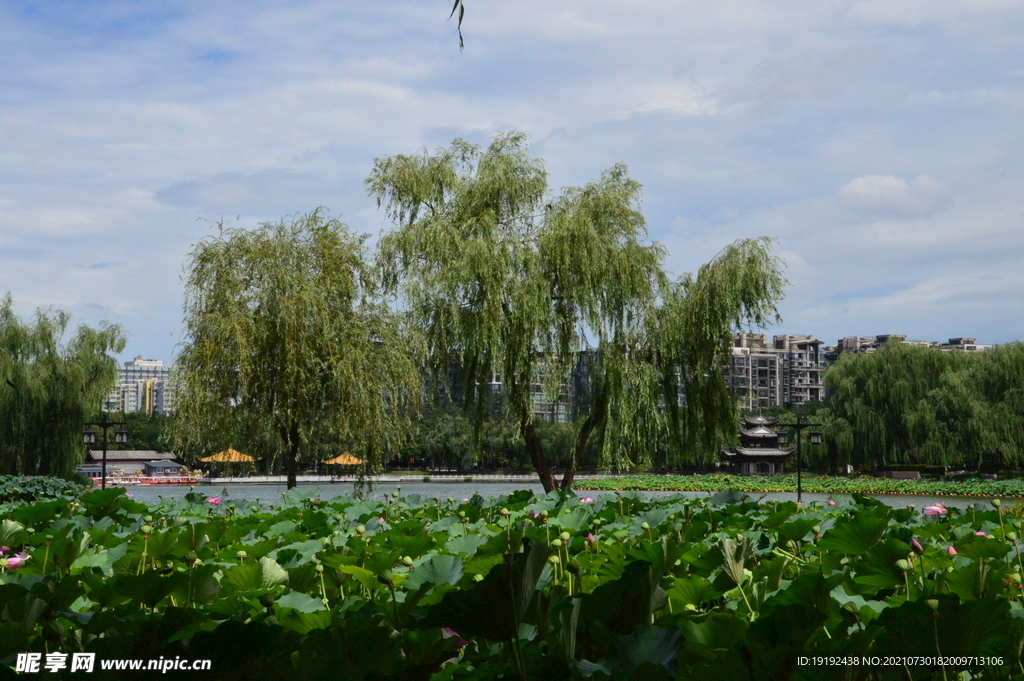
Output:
x=591 y=539
x=951 y=551
x=831 y=503
x=213 y=501
x=129 y=495
x=533 y=514
x=981 y=534
x=4 y=549
x=15 y=561
x=916 y=546
x=466 y=499
x=459 y=641
x=586 y=500
x=935 y=510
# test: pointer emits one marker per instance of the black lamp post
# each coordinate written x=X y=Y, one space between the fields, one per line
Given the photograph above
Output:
x=815 y=440
x=89 y=437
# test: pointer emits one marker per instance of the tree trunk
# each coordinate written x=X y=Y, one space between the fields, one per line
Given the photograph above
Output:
x=293 y=455
x=536 y=452
x=594 y=420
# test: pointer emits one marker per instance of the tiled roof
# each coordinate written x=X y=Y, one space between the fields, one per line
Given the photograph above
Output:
x=130 y=455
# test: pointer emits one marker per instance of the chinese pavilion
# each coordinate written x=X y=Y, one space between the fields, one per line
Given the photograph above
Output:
x=759 y=452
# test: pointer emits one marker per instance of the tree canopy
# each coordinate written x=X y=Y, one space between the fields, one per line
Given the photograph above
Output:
x=283 y=329
x=908 y=404
x=49 y=387
x=506 y=280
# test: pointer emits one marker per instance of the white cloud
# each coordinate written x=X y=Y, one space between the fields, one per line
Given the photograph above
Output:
x=123 y=123
x=888 y=194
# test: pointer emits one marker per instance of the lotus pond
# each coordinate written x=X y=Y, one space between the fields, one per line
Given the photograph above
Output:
x=535 y=587
x=822 y=484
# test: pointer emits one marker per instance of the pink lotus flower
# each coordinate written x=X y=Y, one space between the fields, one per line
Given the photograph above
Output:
x=586 y=500
x=459 y=641
x=591 y=539
x=831 y=503
x=951 y=551
x=916 y=546
x=533 y=514
x=935 y=510
x=129 y=495
x=213 y=501
x=381 y=520
x=15 y=561
x=466 y=499
x=981 y=534
x=3 y=549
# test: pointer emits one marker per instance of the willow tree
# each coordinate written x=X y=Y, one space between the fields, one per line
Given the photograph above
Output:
x=283 y=328
x=48 y=387
x=510 y=282
x=917 y=405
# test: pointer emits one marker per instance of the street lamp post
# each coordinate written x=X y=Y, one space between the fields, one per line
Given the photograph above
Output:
x=89 y=437
x=815 y=440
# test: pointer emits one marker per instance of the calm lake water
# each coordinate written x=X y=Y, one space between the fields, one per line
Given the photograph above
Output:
x=463 y=490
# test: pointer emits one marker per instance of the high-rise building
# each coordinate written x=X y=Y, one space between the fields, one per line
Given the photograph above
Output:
x=143 y=385
x=786 y=372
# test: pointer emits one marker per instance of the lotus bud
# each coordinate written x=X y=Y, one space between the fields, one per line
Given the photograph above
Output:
x=360 y=529
x=565 y=536
x=903 y=564
x=478 y=578
x=556 y=543
x=241 y=555
x=951 y=551
x=591 y=539
x=407 y=560
x=916 y=546
x=645 y=526
x=385 y=578
x=146 y=529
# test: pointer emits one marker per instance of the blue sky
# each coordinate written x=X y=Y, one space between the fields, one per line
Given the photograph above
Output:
x=879 y=142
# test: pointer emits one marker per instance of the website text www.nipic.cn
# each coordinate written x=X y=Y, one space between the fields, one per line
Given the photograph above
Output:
x=35 y=663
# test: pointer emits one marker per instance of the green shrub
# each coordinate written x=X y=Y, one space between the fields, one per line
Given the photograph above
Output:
x=38 y=488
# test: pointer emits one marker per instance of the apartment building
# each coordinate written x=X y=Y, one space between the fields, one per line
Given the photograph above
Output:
x=786 y=371
x=143 y=385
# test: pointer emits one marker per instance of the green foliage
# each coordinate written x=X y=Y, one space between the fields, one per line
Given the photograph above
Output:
x=505 y=279
x=37 y=488
x=49 y=387
x=638 y=588
x=910 y=404
x=283 y=332
x=818 y=484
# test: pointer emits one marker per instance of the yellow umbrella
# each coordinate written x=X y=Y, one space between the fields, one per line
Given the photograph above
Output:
x=230 y=455
x=345 y=459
